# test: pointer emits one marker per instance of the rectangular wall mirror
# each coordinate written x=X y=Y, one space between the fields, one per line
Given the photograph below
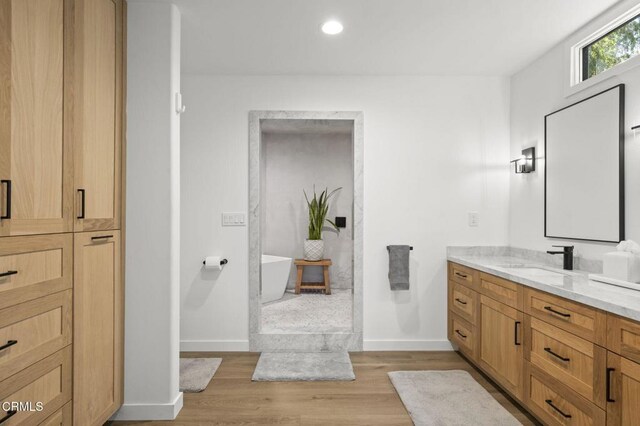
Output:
x=584 y=169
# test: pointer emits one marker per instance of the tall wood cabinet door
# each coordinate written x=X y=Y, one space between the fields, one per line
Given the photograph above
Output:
x=98 y=322
x=623 y=396
x=501 y=352
x=36 y=191
x=98 y=113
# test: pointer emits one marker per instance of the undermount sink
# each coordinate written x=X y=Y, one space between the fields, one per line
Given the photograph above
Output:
x=534 y=272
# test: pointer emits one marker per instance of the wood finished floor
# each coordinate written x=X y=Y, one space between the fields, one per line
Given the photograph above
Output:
x=232 y=399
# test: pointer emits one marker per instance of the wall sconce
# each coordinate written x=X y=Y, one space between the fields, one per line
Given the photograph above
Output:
x=527 y=162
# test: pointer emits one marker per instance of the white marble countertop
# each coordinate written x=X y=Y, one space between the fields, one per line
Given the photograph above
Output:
x=572 y=285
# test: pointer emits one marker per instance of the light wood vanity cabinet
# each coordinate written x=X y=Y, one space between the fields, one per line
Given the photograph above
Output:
x=567 y=363
x=61 y=143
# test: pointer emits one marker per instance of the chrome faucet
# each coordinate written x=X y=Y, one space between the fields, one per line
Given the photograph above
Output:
x=568 y=256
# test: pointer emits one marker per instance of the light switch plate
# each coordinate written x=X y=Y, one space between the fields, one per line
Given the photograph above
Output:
x=234 y=219
x=474 y=219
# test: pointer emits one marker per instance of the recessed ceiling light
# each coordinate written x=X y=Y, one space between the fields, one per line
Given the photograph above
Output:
x=332 y=27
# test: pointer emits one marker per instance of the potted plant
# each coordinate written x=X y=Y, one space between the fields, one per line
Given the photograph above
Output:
x=318 y=209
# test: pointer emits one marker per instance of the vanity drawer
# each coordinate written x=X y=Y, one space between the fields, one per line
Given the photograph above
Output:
x=463 y=302
x=556 y=404
x=463 y=334
x=39 y=328
x=48 y=382
x=584 y=321
x=504 y=291
x=463 y=275
x=62 y=417
x=623 y=337
x=34 y=266
x=575 y=362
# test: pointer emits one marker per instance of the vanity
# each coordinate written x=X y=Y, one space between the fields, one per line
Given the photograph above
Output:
x=565 y=347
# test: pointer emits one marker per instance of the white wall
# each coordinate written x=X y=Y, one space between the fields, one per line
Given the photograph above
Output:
x=536 y=91
x=153 y=214
x=297 y=162
x=435 y=148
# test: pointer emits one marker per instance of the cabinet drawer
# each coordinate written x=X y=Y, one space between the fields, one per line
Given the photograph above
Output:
x=462 y=275
x=62 y=417
x=576 y=362
x=555 y=404
x=584 y=321
x=623 y=337
x=463 y=334
x=463 y=302
x=504 y=291
x=48 y=382
x=34 y=266
x=38 y=328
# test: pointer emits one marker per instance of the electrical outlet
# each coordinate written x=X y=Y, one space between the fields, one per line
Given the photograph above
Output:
x=474 y=219
x=233 y=219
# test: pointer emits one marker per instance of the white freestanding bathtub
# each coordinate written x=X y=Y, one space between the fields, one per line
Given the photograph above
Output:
x=275 y=275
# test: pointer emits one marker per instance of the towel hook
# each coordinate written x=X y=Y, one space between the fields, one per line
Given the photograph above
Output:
x=410 y=247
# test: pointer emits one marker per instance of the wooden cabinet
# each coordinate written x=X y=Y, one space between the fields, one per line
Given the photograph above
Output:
x=623 y=391
x=501 y=290
x=98 y=331
x=463 y=302
x=623 y=337
x=501 y=350
x=36 y=191
x=463 y=275
x=97 y=123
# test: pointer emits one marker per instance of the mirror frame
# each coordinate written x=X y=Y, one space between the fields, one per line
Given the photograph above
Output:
x=621 y=136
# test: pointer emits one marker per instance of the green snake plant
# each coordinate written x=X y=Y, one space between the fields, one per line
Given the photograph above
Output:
x=318 y=209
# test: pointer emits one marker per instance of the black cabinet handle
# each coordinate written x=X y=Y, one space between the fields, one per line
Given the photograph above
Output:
x=9 y=415
x=609 y=371
x=462 y=302
x=7 y=215
x=460 y=334
x=101 y=237
x=461 y=275
x=8 y=344
x=565 y=415
x=82 y=203
x=560 y=357
x=516 y=333
x=6 y=274
x=562 y=314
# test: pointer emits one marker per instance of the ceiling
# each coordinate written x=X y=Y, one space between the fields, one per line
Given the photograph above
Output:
x=381 y=37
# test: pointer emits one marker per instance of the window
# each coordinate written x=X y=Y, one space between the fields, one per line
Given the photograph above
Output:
x=611 y=49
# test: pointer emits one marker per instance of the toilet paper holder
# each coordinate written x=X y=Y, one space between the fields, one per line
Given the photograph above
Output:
x=222 y=262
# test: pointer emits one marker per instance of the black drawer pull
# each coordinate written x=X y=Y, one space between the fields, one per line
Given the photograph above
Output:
x=102 y=237
x=565 y=415
x=8 y=344
x=6 y=274
x=461 y=275
x=608 y=392
x=460 y=334
x=562 y=314
x=7 y=215
x=516 y=333
x=82 y=203
x=9 y=415
x=560 y=357
x=462 y=302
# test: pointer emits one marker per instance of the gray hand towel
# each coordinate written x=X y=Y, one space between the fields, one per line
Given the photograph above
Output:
x=399 y=267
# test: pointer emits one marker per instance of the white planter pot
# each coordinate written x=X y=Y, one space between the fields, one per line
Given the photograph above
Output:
x=313 y=250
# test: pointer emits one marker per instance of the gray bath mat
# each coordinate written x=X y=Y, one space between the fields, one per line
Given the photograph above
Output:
x=308 y=366
x=448 y=398
x=196 y=373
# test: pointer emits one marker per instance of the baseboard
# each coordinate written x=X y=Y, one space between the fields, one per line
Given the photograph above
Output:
x=407 y=345
x=214 y=346
x=150 y=411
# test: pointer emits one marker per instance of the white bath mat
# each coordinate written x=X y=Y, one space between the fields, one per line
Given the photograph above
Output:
x=306 y=366
x=448 y=398
x=196 y=373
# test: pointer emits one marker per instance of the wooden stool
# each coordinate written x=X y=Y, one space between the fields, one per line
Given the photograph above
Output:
x=326 y=285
